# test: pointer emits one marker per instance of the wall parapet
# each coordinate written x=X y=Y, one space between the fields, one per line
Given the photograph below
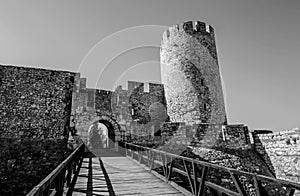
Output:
x=282 y=151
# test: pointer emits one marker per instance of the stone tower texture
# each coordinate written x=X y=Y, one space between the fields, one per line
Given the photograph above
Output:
x=190 y=74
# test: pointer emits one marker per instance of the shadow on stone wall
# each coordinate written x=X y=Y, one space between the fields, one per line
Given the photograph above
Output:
x=258 y=146
x=24 y=163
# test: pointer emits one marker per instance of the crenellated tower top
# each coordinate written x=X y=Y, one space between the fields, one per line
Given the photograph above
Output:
x=189 y=27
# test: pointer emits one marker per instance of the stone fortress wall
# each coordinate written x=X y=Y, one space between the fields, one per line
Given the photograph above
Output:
x=35 y=107
x=208 y=135
x=34 y=103
x=133 y=112
x=282 y=151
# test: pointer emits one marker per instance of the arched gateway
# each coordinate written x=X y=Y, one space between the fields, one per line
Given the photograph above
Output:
x=102 y=133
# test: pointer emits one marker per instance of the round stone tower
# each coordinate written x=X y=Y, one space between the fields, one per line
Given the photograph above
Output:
x=190 y=74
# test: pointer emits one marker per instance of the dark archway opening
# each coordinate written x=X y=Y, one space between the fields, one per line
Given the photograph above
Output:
x=111 y=133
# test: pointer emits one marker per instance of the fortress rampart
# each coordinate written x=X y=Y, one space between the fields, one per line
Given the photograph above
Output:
x=280 y=150
x=208 y=135
x=134 y=111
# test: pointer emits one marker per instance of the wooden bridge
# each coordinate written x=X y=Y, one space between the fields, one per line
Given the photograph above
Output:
x=137 y=170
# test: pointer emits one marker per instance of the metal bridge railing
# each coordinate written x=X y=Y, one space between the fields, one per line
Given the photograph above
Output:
x=62 y=175
x=196 y=172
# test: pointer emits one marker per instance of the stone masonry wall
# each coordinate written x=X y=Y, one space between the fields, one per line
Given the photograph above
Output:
x=135 y=111
x=190 y=73
x=283 y=150
x=207 y=135
x=34 y=102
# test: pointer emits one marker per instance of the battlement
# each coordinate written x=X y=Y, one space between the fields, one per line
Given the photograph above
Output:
x=103 y=92
x=146 y=87
x=189 y=27
x=133 y=84
x=82 y=84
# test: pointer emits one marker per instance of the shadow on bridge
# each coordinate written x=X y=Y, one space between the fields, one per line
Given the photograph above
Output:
x=92 y=177
x=104 y=172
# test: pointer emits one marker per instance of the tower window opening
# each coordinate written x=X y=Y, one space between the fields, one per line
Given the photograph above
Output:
x=205 y=107
x=202 y=82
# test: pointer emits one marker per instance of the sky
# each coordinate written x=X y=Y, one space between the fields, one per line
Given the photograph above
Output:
x=111 y=41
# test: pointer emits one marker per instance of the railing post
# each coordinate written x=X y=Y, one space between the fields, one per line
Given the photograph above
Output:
x=260 y=190
x=140 y=154
x=291 y=192
x=69 y=175
x=256 y=185
x=202 y=182
x=58 y=185
x=166 y=166
x=238 y=184
x=195 y=172
x=152 y=160
x=189 y=176
x=163 y=164
x=74 y=164
x=170 y=169
x=148 y=157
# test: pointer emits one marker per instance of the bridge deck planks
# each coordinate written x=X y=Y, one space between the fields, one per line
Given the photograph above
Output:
x=118 y=176
x=90 y=180
x=129 y=178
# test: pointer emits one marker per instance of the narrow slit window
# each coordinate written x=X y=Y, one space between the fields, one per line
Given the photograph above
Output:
x=205 y=108
x=202 y=82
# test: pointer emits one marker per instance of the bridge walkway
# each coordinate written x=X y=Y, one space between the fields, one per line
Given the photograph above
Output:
x=113 y=174
x=109 y=173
